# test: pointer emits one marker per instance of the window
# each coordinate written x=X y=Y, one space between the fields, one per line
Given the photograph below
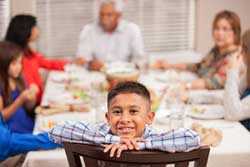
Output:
x=167 y=25
x=4 y=17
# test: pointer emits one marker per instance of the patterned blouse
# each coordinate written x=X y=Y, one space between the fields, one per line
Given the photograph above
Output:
x=213 y=67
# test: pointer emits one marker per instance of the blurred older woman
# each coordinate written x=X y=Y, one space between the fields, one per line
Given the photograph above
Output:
x=212 y=69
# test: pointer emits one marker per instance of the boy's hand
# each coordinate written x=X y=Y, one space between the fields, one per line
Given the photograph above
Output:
x=115 y=148
x=132 y=143
x=125 y=144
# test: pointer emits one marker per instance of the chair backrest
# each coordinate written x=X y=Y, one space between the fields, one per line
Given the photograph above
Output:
x=95 y=157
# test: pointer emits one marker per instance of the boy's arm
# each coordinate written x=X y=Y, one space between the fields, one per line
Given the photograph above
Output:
x=81 y=132
x=173 y=141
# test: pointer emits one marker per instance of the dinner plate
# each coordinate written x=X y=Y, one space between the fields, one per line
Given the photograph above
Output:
x=205 y=97
x=205 y=111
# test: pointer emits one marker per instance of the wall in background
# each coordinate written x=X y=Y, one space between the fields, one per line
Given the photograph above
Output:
x=23 y=6
x=206 y=10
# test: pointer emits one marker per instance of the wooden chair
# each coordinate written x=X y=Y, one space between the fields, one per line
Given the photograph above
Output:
x=95 y=157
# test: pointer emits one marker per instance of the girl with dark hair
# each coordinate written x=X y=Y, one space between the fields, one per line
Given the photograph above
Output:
x=16 y=102
x=23 y=31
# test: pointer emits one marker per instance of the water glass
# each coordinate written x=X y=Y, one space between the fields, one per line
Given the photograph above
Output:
x=177 y=116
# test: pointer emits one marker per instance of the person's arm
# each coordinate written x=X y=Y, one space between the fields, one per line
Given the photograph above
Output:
x=172 y=141
x=51 y=64
x=22 y=143
x=32 y=99
x=81 y=132
x=8 y=111
x=15 y=143
x=84 y=49
x=137 y=45
x=235 y=109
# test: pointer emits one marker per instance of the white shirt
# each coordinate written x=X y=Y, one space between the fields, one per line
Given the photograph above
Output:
x=235 y=108
x=124 y=44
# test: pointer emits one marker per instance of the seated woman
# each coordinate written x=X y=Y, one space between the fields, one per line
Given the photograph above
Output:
x=23 y=31
x=236 y=101
x=211 y=70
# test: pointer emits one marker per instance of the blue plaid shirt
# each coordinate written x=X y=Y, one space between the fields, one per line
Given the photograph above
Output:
x=81 y=132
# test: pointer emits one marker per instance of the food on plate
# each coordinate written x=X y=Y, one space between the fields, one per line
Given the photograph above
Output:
x=120 y=71
x=51 y=110
x=48 y=124
x=197 y=110
x=155 y=100
x=54 y=109
x=209 y=136
x=76 y=86
x=81 y=95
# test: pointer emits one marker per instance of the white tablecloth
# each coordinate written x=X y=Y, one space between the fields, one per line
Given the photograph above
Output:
x=233 y=151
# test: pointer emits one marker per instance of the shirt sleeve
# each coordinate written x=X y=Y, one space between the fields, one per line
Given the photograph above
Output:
x=84 y=48
x=137 y=43
x=51 y=64
x=173 y=141
x=22 y=143
x=81 y=132
x=235 y=108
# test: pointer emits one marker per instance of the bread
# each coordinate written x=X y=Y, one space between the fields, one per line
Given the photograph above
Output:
x=209 y=136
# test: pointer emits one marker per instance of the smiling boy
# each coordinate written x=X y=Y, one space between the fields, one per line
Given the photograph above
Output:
x=128 y=118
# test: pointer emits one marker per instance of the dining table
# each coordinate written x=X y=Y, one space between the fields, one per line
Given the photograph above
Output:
x=62 y=89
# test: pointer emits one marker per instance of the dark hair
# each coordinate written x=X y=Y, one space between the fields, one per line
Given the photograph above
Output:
x=9 y=52
x=20 y=29
x=129 y=87
x=234 y=21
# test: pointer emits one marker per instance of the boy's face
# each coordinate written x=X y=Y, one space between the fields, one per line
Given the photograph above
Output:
x=128 y=113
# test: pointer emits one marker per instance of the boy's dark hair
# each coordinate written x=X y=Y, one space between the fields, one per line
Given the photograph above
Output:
x=129 y=87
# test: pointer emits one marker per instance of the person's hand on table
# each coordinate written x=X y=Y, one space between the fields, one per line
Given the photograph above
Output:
x=96 y=65
x=161 y=64
x=125 y=144
x=196 y=84
x=79 y=61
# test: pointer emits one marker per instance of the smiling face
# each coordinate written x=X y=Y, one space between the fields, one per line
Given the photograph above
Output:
x=128 y=114
x=15 y=67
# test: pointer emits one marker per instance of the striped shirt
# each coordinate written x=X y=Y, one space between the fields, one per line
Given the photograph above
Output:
x=81 y=132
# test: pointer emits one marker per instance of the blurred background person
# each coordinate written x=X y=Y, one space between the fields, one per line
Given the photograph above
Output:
x=23 y=31
x=212 y=69
x=237 y=90
x=110 y=38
